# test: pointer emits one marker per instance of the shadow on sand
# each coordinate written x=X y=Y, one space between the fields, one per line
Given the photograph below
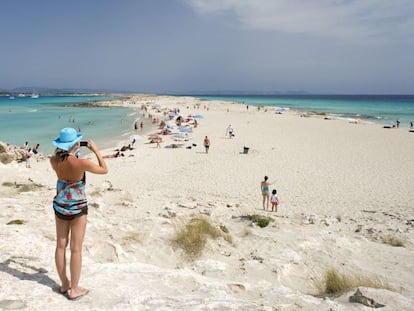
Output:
x=17 y=267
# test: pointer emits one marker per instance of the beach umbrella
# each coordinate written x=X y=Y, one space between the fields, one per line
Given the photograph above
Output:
x=198 y=116
x=172 y=114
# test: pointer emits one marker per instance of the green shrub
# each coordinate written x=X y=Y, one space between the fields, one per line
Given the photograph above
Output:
x=261 y=221
x=8 y=184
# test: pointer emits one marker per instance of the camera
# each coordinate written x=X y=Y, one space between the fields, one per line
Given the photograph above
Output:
x=83 y=143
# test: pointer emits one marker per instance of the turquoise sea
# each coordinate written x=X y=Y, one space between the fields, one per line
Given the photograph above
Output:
x=39 y=120
x=381 y=109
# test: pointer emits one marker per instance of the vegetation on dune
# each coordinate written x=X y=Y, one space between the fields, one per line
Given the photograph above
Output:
x=192 y=238
x=392 y=240
x=16 y=222
x=261 y=221
x=22 y=187
x=335 y=283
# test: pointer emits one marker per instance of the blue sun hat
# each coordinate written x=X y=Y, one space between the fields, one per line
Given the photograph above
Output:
x=67 y=138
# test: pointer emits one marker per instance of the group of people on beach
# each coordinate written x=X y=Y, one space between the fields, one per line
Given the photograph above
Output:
x=70 y=202
x=30 y=152
x=273 y=198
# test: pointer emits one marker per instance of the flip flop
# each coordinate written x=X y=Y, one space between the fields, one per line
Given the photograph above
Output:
x=77 y=297
x=63 y=293
x=57 y=290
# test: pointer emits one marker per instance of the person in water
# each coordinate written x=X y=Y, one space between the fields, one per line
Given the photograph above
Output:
x=70 y=205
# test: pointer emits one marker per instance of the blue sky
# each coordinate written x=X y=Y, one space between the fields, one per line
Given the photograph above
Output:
x=163 y=46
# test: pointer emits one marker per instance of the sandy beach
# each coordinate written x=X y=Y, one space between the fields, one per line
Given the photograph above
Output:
x=345 y=189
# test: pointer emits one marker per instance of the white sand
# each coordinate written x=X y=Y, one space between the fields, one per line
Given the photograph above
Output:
x=342 y=187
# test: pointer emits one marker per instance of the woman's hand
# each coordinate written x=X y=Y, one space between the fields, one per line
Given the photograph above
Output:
x=92 y=146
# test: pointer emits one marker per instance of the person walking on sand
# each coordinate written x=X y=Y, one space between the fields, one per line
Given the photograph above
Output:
x=70 y=206
x=229 y=131
x=264 y=187
x=206 y=143
x=28 y=158
x=274 y=200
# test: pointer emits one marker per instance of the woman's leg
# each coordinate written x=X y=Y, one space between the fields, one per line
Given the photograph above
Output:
x=62 y=235
x=78 y=227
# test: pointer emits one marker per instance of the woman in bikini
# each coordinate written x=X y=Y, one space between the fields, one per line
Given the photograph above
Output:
x=264 y=187
x=70 y=206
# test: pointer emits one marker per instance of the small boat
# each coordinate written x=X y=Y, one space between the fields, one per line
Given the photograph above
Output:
x=21 y=95
x=11 y=97
x=35 y=95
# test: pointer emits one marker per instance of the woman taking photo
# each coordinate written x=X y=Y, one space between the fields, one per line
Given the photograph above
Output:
x=70 y=205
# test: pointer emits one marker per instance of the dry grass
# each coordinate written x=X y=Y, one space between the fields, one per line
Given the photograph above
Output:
x=335 y=283
x=392 y=240
x=193 y=237
x=28 y=187
x=22 y=187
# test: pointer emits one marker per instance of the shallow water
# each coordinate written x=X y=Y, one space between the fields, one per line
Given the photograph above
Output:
x=382 y=109
x=39 y=120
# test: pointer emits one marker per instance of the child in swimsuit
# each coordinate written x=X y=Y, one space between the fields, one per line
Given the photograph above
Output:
x=274 y=200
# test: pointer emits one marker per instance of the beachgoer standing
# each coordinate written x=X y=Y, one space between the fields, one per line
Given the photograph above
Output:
x=35 y=149
x=264 y=187
x=398 y=123
x=206 y=143
x=28 y=157
x=229 y=131
x=274 y=200
x=70 y=205
x=411 y=125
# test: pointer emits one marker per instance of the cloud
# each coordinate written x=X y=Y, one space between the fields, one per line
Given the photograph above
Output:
x=341 y=19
